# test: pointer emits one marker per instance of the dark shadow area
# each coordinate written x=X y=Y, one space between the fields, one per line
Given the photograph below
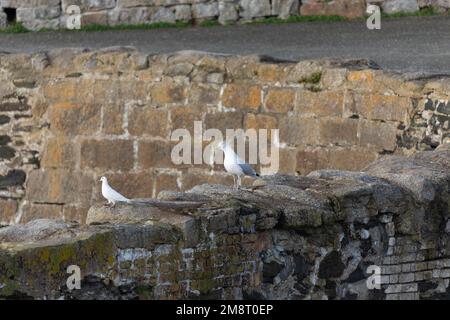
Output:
x=11 y=15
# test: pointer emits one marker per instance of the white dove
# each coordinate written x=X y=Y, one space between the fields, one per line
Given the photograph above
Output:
x=235 y=165
x=110 y=194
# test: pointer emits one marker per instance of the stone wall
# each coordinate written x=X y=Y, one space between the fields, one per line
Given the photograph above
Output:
x=53 y=14
x=286 y=237
x=68 y=117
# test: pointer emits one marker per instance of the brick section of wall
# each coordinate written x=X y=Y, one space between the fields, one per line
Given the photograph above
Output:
x=68 y=117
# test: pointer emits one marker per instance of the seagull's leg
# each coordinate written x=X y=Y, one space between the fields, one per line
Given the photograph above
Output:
x=238 y=182
x=113 y=204
x=234 y=182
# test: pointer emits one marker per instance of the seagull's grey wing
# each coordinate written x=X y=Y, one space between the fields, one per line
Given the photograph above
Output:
x=248 y=170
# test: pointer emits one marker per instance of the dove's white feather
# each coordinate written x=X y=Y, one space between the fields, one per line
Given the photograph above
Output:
x=110 y=194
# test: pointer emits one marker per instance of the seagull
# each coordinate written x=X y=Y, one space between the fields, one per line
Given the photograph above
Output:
x=110 y=194
x=235 y=165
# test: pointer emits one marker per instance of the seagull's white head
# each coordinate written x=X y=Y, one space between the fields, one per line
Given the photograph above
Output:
x=103 y=179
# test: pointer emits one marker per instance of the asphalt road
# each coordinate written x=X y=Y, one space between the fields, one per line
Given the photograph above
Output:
x=418 y=45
